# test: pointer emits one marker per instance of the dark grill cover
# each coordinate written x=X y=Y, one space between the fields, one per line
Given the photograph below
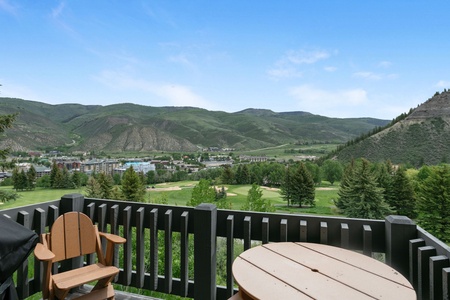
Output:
x=16 y=243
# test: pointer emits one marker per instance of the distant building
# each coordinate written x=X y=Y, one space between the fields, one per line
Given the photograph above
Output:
x=138 y=166
x=106 y=166
x=253 y=158
x=69 y=163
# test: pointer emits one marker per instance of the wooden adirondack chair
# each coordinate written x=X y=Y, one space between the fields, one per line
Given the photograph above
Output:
x=73 y=235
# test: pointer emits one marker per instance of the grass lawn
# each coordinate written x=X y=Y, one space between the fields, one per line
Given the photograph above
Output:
x=38 y=195
x=178 y=193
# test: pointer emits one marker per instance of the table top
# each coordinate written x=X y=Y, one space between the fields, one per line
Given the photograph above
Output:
x=316 y=271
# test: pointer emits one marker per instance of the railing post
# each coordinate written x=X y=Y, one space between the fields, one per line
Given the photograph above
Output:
x=399 y=230
x=71 y=202
x=205 y=222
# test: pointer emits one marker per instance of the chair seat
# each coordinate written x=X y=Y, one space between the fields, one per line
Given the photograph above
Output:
x=76 y=277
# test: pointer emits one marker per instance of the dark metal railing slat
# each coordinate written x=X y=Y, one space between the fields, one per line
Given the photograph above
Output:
x=230 y=255
x=367 y=240
x=345 y=235
x=140 y=243
x=184 y=254
x=127 y=247
x=154 y=249
x=168 y=251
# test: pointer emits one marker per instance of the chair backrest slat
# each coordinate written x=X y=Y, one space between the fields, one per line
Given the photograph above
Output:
x=72 y=235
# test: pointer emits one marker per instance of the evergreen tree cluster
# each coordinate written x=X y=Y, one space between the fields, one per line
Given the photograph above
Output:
x=62 y=179
x=298 y=186
x=24 y=181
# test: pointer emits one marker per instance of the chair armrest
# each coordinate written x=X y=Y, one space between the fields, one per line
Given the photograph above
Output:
x=113 y=238
x=42 y=253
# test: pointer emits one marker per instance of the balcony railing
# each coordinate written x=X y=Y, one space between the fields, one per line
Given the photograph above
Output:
x=418 y=255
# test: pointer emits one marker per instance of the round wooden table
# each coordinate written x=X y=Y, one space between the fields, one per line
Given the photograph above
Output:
x=315 y=271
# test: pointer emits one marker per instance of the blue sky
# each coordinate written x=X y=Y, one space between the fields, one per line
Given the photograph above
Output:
x=332 y=58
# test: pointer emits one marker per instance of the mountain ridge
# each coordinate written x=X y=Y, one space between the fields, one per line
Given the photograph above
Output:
x=420 y=137
x=131 y=127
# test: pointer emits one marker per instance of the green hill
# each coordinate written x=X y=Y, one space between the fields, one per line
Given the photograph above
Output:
x=131 y=127
x=421 y=137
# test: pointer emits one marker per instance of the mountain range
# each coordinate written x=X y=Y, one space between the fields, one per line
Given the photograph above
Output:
x=129 y=127
x=420 y=137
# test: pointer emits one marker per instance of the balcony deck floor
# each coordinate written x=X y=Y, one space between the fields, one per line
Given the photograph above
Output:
x=119 y=295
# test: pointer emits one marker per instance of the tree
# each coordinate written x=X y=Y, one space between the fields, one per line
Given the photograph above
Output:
x=31 y=178
x=298 y=186
x=76 y=179
x=20 y=180
x=255 y=202
x=227 y=174
x=133 y=188
x=54 y=173
x=363 y=197
x=286 y=186
x=343 y=199
x=6 y=122
x=315 y=171
x=106 y=184
x=92 y=188
x=303 y=187
x=433 y=202
x=6 y=196
x=402 y=196
x=203 y=192
x=332 y=170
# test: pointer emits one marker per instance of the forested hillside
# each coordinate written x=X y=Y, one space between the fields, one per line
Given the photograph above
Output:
x=130 y=127
x=420 y=137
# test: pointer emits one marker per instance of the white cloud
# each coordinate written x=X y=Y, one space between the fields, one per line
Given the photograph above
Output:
x=329 y=103
x=172 y=94
x=57 y=11
x=183 y=60
x=367 y=75
x=443 y=84
x=284 y=72
x=384 y=64
x=330 y=69
x=287 y=66
x=305 y=57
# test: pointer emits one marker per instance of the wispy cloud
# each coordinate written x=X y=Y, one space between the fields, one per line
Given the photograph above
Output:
x=330 y=69
x=374 y=76
x=288 y=65
x=172 y=94
x=384 y=64
x=326 y=102
x=367 y=75
x=57 y=11
x=305 y=57
x=443 y=84
x=8 y=7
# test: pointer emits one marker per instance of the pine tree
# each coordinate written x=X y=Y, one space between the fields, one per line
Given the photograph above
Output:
x=53 y=174
x=31 y=178
x=92 y=188
x=433 y=203
x=6 y=122
x=344 y=197
x=402 y=197
x=133 y=188
x=76 y=179
x=286 y=186
x=106 y=184
x=303 y=190
x=363 y=197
